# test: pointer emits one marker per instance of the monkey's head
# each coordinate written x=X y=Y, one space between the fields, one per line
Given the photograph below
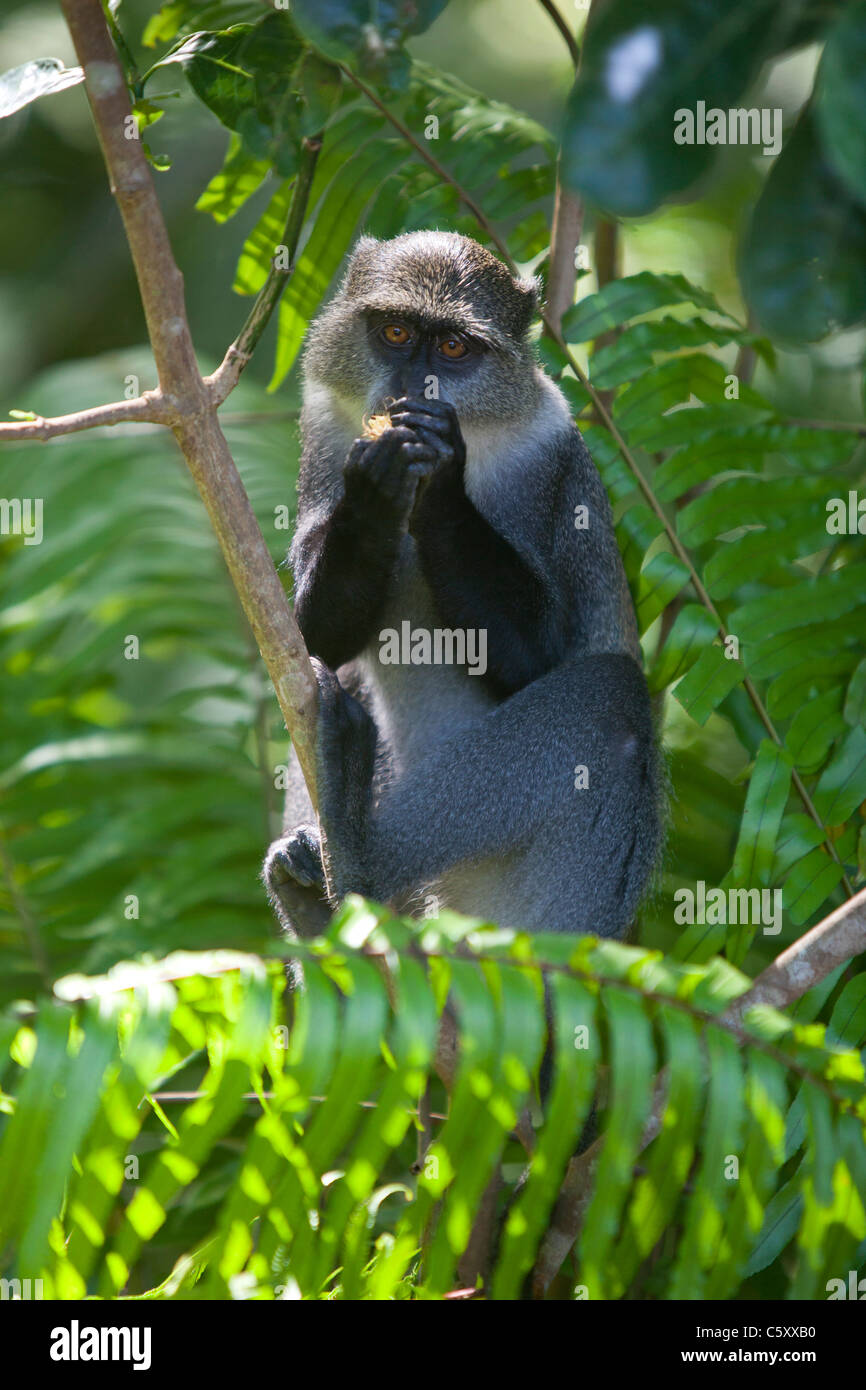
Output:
x=428 y=313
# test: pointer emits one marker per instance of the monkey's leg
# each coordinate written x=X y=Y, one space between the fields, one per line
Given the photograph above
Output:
x=553 y=795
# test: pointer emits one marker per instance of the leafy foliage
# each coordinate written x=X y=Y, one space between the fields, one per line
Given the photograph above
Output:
x=132 y=809
x=368 y=175
x=288 y=1170
x=745 y=518
x=803 y=256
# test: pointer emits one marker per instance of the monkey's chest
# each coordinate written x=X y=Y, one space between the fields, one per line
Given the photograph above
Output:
x=422 y=680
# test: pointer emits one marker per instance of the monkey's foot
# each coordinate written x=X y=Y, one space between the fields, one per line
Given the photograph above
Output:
x=295 y=858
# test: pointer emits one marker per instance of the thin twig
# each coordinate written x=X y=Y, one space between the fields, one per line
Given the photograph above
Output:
x=227 y=374
x=571 y=41
x=149 y=407
x=839 y=938
x=434 y=164
x=841 y=425
x=565 y=233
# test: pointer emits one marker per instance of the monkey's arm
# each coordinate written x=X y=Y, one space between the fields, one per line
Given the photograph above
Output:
x=477 y=577
x=479 y=580
x=344 y=556
x=546 y=578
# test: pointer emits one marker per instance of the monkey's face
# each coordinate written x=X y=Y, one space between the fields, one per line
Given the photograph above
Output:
x=372 y=356
x=424 y=359
x=429 y=315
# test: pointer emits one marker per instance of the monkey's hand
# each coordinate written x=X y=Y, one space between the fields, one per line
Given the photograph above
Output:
x=434 y=424
x=381 y=475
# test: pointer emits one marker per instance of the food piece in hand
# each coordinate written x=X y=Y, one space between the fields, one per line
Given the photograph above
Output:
x=376 y=426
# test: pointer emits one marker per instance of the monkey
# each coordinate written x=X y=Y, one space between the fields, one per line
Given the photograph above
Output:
x=524 y=790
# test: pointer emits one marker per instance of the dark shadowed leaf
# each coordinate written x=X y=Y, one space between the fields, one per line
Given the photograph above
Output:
x=804 y=252
x=365 y=33
x=841 y=98
x=641 y=66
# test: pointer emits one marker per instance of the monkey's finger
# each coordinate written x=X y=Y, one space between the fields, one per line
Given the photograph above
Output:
x=433 y=442
x=388 y=463
x=440 y=410
x=418 y=460
x=421 y=419
x=413 y=413
x=357 y=452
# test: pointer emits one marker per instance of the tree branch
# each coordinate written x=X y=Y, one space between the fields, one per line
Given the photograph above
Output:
x=565 y=234
x=184 y=395
x=150 y=407
x=839 y=938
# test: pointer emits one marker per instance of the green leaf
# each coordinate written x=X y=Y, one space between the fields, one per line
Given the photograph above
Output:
x=638 y=71
x=38 y=78
x=633 y=1066
x=577 y=1055
x=694 y=629
x=766 y=799
x=744 y=501
x=628 y=298
x=841 y=103
x=809 y=885
x=855 y=697
x=781 y=1219
x=714 y=1182
x=633 y=350
x=712 y=677
x=670 y=1158
x=245 y=75
x=803 y=254
x=838 y=592
x=367 y=34
x=842 y=787
x=661 y=579
x=238 y=179
x=814 y=728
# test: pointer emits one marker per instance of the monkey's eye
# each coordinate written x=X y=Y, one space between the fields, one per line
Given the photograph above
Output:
x=453 y=348
x=396 y=334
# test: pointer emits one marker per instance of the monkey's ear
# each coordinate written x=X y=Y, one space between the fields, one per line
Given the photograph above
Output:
x=530 y=291
x=362 y=258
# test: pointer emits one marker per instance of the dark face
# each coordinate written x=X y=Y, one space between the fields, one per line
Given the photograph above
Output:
x=412 y=351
